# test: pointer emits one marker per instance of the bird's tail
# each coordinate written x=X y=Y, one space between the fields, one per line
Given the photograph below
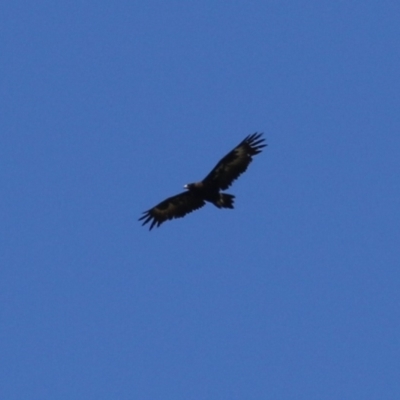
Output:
x=225 y=200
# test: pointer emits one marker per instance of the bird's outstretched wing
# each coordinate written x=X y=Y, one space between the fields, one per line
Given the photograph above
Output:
x=235 y=162
x=173 y=207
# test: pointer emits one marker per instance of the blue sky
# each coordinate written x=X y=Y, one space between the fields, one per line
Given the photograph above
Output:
x=108 y=108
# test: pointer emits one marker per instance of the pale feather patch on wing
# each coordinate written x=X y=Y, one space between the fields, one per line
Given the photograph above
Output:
x=173 y=207
x=230 y=167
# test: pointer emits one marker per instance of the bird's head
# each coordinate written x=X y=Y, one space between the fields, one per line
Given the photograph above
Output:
x=194 y=186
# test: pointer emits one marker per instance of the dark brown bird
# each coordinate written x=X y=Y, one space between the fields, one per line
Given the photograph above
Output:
x=220 y=178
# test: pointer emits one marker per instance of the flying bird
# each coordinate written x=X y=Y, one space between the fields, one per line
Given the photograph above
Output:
x=228 y=169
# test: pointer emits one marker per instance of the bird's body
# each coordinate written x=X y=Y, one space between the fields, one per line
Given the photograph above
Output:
x=209 y=189
x=210 y=193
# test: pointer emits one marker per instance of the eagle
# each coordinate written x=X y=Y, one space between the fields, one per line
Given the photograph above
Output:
x=228 y=169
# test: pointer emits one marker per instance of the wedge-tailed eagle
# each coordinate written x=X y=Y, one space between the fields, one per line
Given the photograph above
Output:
x=220 y=178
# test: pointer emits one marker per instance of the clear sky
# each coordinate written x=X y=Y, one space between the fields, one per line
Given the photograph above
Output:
x=107 y=108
